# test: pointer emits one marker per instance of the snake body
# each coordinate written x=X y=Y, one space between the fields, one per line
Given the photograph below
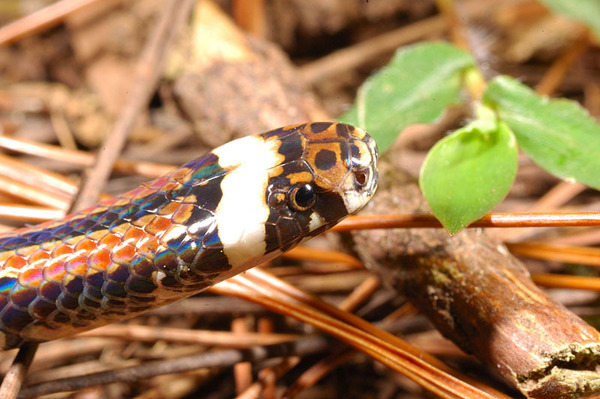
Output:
x=236 y=207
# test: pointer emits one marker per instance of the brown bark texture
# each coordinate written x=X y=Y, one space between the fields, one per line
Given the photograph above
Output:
x=482 y=298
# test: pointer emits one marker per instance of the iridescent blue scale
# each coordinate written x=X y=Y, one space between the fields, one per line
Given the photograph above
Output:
x=6 y=283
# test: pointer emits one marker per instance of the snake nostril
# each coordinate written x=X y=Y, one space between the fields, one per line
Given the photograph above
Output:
x=361 y=177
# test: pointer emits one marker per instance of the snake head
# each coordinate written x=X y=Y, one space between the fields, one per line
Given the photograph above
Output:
x=282 y=187
x=327 y=171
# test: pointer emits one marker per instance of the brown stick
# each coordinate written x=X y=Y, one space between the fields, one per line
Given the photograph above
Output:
x=147 y=73
x=14 y=378
x=483 y=299
x=350 y=58
x=513 y=219
x=44 y=18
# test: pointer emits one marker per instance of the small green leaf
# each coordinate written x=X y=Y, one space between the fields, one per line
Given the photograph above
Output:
x=559 y=135
x=586 y=11
x=417 y=86
x=469 y=172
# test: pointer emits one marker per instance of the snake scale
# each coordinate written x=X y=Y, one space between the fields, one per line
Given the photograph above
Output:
x=236 y=207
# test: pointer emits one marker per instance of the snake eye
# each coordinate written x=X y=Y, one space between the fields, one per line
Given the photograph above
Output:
x=302 y=197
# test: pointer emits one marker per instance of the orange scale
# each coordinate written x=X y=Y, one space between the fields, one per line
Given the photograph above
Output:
x=61 y=249
x=143 y=221
x=148 y=247
x=54 y=270
x=123 y=254
x=122 y=201
x=98 y=259
x=96 y=235
x=171 y=185
x=109 y=241
x=136 y=191
x=182 y=175
x=38 y=256
x=173 y=232
x=119 y=229
x=73 y=241
x=15 y=261
x=48 y=246
x=86 y=246
x=109 y=202
x=31 y=277
x=76 y=265
x=183 y=214
x=134 y=234
x=169 y=208
x=157 y=184
x=158 y=225
x=26 y=251
x=190 y=199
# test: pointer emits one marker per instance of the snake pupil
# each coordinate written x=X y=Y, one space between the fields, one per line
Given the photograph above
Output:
x=302 y=197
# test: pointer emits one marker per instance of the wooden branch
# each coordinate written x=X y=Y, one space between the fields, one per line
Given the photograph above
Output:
x=483 y=299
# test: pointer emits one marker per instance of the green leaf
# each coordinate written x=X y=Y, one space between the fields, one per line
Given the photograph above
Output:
x=559 y=135
x=468 y=173
x=586 y=11
x=417 y=86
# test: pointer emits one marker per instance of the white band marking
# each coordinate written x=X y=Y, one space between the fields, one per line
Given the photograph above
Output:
x=242 y=212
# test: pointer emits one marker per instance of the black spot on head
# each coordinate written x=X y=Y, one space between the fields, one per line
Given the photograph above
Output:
x=325 y=159
x=291 y=147
x=282 y=133
x=355 y=151
x=342 y=129
x=319 y=127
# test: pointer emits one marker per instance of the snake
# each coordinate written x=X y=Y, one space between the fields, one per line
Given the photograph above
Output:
x=236 y=207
